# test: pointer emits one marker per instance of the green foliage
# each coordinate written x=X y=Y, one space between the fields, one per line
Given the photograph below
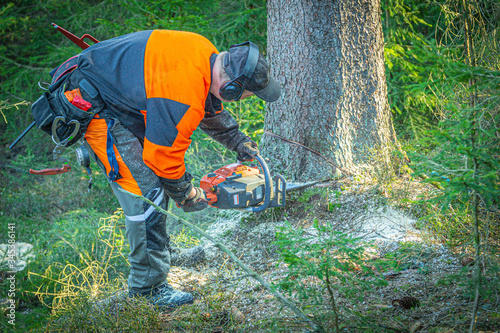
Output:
x=35 y=202
x=322 y=264
x=408 y=35
x=222 y=22
x=461 y=156
x=54 y=247
x=462 y=278
x=184 y=239
x=443 y=79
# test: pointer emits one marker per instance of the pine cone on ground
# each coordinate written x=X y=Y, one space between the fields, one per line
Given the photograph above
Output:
x=407 y=302
x=467 y=261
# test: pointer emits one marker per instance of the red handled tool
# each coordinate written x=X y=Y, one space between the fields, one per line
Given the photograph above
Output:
x=51 y=171
x=74 y=39
x=78 y=41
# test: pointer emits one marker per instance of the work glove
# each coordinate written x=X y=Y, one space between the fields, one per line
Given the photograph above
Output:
x=178 y=189
x=247 y=149
x=196 y=203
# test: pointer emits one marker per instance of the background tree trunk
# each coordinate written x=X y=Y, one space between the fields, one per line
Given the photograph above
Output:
x=329 y=57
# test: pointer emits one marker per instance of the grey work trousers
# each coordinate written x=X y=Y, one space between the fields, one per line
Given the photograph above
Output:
x=145 y=227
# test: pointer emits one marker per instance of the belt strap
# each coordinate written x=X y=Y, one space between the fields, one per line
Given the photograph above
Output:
x=113 y=163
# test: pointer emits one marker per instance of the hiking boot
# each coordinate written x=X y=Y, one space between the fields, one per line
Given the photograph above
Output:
x=165 y=296
x=186 y=257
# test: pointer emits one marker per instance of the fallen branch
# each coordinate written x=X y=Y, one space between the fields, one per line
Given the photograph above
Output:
x=327 y=160
x=250 y=272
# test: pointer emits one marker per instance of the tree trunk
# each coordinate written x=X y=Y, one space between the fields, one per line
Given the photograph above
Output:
x=328 y=56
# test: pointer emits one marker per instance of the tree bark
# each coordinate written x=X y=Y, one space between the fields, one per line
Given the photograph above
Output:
x=328 y=56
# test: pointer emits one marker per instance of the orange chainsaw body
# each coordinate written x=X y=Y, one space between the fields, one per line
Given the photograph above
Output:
x=238 y=186
x=210 y=182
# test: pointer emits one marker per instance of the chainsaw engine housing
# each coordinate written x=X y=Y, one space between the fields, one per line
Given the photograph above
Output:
x=237 y=186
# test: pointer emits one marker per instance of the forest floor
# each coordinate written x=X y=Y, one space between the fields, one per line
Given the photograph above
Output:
x=426 y=284
x=416 y=265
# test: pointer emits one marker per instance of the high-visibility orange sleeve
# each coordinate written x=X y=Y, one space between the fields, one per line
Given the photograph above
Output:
x=177 y=77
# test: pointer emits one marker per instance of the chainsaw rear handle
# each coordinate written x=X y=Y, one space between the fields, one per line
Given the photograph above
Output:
x=267 y=196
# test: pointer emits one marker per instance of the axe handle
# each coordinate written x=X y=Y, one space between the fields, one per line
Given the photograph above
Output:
x=22 y=135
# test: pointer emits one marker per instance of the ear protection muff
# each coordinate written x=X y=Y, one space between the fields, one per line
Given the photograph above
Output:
x=232 y=90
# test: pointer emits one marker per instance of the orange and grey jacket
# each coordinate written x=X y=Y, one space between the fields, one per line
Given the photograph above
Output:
x=157 y=84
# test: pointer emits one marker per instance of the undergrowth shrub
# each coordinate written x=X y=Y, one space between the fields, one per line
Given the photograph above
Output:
x=129 y=315
x=323 y=265
x=461 y=157
x=99 y=269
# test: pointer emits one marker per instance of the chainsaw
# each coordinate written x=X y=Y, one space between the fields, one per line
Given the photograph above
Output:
x=238 y=186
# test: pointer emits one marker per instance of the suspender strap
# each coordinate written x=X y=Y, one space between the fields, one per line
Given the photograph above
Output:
x=64 y=69
x=113 y=163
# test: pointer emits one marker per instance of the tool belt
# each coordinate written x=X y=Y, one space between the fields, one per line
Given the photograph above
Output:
x=66 y=109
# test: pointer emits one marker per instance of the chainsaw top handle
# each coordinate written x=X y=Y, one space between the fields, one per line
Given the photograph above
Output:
x=267 y=196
